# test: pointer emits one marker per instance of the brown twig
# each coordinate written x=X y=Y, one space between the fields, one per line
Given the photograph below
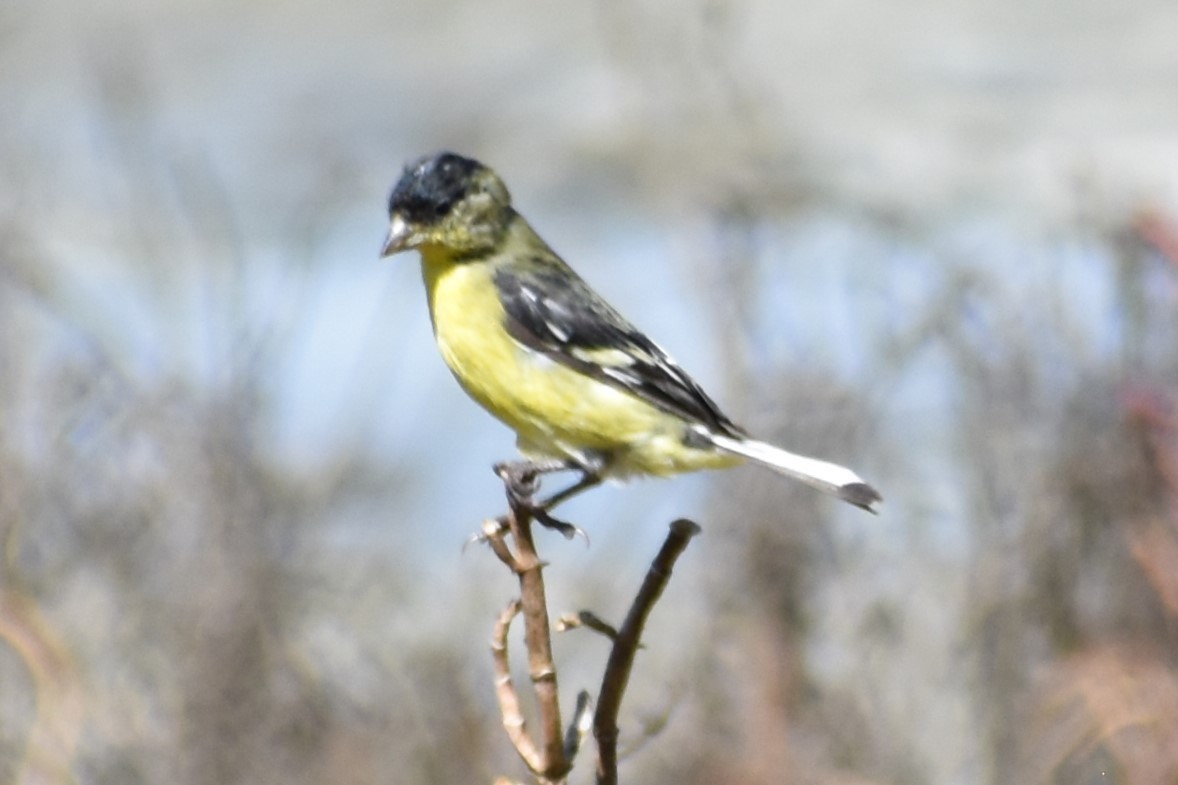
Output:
x=550 y=758
x=552 y=763
x=492 y=534
x=589 y=620
x=579 y=727
x=621 y=658
x=509 y=707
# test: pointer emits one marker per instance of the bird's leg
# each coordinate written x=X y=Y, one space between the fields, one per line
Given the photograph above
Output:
x=541 y=510
x=587 y=480
x=522 y=479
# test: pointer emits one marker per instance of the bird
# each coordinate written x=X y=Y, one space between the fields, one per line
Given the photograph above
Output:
x=530 y=341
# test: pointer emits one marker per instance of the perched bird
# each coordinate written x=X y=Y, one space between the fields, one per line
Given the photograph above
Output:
x=528 y=339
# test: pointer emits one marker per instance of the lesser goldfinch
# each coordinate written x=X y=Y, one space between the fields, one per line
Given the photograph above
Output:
x=532 y=343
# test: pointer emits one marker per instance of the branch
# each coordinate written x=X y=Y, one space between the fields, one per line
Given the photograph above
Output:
x=579 y=727
x=550 y=756
x=521 y=485
x=588 y=620
x=509 y=708
x=621 y=658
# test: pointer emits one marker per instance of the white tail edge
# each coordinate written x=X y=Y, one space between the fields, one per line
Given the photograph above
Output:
x=827 y=477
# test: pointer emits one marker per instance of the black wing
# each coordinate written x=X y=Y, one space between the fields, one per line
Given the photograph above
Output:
x=554 y=312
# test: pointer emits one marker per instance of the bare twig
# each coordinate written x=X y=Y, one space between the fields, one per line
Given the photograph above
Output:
x=579 y=727
x=492 y=533
x=549 y=755
x=621 y=658
x=521 y=485
x=588 y=620
x=509 y=708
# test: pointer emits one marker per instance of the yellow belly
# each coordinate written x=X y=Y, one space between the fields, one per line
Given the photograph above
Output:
x=555 y=411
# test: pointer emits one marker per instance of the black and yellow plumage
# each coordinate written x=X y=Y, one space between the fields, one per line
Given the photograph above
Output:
x=531 y=342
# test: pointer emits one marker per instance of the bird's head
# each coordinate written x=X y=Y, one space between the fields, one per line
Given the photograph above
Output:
x=447 y=201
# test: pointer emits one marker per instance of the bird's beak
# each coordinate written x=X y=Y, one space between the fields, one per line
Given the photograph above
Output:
x=400 y=236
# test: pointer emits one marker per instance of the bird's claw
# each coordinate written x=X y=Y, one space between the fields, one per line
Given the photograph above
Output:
x=570 y=531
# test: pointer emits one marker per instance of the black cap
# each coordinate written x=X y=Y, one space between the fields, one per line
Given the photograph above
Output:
x=431 y=186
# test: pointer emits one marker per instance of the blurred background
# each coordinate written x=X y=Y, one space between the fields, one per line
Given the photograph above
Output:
x=935 y=242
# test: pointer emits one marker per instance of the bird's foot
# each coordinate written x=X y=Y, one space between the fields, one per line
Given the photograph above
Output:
x=521 y=479
x=548 y=521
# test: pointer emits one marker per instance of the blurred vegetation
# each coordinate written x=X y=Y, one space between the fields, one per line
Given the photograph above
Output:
x=184 y=600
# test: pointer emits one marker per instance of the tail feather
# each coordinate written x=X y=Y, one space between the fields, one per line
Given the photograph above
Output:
x=830 y=478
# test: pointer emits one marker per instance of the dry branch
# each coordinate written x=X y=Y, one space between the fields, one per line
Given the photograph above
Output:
x=550 y=755
x=621 y=658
